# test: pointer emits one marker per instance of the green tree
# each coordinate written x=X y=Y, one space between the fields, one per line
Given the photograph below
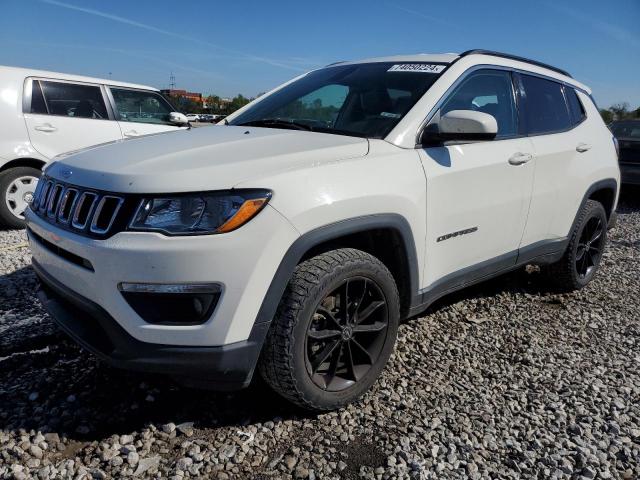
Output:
x=620 y=110
x=607 y=115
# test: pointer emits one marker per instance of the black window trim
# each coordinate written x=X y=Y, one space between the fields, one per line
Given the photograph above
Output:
x=114 y=106
x=517 y=81
x=28 y=88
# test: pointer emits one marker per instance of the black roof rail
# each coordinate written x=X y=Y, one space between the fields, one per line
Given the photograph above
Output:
x=515 y=57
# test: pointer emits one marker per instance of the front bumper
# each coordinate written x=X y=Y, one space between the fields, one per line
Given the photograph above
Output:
x=242 y=262
x=227 y=367
x=630 y=173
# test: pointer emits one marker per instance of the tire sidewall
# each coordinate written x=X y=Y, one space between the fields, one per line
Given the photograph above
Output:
x=594 y=210
x=7 y=218
x=313 y=393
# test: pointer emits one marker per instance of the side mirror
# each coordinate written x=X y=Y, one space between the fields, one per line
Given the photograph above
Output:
x=461 y=125
x=178 y=118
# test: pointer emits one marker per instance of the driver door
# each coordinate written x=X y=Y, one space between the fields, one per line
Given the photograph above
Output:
x=478 y=193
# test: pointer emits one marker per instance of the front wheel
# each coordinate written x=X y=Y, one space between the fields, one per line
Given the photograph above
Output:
x=334 y=330
x=16 y=192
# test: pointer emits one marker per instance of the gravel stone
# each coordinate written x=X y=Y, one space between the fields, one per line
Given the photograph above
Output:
x=507 y=379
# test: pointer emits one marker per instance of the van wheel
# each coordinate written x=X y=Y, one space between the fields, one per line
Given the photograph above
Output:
x=334 y=330
x=582 y=258
x=16 y=192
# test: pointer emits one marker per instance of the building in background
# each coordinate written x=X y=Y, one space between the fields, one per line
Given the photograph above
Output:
x=187 y=101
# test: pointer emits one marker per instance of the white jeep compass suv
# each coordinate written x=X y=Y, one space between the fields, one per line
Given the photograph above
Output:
x=45 y=114
x=294 y=239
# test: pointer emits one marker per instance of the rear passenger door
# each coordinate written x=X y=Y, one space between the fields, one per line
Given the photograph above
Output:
x=554 y=117
x=141 y=112
x=64 y=116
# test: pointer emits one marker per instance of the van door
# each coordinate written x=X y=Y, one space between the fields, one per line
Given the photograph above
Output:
x=65 y=116
x=141 y=112
x=478 y=193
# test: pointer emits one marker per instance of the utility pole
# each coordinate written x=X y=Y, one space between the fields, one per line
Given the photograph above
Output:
x=172 y=81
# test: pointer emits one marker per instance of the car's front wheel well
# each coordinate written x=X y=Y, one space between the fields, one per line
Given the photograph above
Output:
x=387 y=245
x=23 y=162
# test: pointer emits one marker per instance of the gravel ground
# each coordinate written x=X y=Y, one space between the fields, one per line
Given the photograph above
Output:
x=505 y=380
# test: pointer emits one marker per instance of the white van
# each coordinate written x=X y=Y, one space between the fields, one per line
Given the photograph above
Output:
x=44 y=114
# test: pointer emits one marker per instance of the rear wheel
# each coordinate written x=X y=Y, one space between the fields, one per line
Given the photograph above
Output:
x=16 y=192
x=582 y=258
x=334 y=330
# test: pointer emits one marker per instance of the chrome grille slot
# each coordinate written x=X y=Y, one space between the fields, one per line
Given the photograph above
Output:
x=36 y=195
x=105 y=214
x=67 y=205
x=46 y=190
x=73 y=208
x=83 y=210
x=54 y=200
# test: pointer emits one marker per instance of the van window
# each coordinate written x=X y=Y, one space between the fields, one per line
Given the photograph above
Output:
x=487 y=91
x=141 y=106
x=37 y=99
x=545 y=109
x=74 y=100
x=575 y=106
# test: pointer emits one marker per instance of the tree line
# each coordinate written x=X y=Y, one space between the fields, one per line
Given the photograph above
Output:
x=217 y=105
x=619 y=111
x=214 y=104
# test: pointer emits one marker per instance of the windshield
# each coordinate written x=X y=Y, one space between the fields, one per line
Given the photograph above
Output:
x=364 y=100
x=626 y=130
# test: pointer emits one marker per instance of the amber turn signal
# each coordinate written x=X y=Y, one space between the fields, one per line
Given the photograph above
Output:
x=245 y=213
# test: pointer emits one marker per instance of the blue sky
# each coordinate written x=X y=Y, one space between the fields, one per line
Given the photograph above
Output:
x=250 y=46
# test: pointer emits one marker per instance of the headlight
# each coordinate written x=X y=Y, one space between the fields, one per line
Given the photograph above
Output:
x=199 y=213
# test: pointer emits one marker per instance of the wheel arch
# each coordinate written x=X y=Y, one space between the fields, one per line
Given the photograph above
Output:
x=23 y=162
x=604 y=191
x=374 y=234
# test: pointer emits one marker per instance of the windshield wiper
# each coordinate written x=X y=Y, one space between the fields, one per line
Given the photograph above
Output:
x=276 y=123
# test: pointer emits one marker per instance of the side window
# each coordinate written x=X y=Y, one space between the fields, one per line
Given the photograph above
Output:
x=73 y=100
x=544 y=107
x=575 y=106
x=487 y=91
x=141 y=106
x=38 y=104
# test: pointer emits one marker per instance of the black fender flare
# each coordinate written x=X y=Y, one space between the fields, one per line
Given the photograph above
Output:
x=604 y=184
x=329 y=232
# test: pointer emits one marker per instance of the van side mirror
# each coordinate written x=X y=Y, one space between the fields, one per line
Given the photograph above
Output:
x=460 y=125
x=179 y=119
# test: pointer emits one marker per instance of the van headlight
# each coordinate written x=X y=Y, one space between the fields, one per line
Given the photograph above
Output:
x=199 y=213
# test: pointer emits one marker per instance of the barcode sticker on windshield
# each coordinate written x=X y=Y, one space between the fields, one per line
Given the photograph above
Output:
x=417 y=67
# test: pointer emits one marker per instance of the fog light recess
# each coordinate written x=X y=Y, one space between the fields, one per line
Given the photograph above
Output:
x=172 y=304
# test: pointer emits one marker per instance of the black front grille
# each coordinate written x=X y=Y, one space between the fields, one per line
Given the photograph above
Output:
x=89 y=212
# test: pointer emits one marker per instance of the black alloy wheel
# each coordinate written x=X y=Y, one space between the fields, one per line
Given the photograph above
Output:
x=346 y=334
x=590 y=247
x=334 y=330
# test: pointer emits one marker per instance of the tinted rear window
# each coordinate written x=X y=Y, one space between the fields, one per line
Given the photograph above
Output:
x=73 y=100
x=545 y=108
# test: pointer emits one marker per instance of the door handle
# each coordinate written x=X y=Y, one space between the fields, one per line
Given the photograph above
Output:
x=131 y=133
x=583 y=147
x=520 y=158
x=45 y=127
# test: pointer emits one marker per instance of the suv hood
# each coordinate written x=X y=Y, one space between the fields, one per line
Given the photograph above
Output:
x=201 y=159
